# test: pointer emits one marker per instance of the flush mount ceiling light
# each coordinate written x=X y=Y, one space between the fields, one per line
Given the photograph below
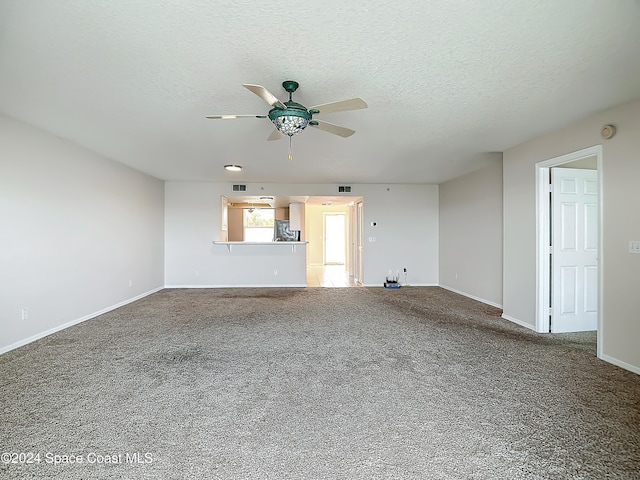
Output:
x=233 y=168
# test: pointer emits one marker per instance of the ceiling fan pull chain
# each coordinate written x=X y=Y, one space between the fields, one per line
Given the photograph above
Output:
x=290 y=150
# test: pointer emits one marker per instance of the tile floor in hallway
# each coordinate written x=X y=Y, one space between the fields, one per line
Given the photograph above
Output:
x=329 y=276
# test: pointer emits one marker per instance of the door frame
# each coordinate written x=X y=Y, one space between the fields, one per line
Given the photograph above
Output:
x=359 y=257
x=543 y=232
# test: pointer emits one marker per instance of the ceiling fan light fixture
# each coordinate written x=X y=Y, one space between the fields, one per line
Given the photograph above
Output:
x=292 y=120
x=290 y=125
x=233 y=168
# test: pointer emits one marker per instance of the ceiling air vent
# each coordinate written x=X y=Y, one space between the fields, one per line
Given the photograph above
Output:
x=344 y=188
x=239 y=188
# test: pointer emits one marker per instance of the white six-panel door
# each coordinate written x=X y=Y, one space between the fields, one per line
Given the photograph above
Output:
x=574 y=250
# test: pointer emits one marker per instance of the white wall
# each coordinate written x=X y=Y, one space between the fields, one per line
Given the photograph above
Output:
x=620 y=176
x=76 y=229
x=471 y=235
x=406 y=235
x=192 y=222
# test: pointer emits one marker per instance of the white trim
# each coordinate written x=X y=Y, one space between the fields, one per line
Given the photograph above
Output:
x=270 y=285
x=542 y=235
x=600 y=331
x=519 y=322
x=381 y=285
x=620 y=363
x=46 y=333
x=473 y=297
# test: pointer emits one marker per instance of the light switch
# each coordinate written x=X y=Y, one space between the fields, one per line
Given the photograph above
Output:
x=634 y=246
x=372 y=239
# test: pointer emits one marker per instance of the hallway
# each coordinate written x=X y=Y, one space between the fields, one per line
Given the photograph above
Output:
x=329 y=276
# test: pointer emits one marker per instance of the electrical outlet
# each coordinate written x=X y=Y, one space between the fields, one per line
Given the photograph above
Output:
x=634 y=246
x=197 y=273
x=390 y=272
x=275 y=271
x=25 y=313
x=131 y=283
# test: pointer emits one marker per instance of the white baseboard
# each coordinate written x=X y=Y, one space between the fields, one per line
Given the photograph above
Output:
x=621 y=364
x=488 y=302
x=520 y=322
x=46 y=333
x=292 y=285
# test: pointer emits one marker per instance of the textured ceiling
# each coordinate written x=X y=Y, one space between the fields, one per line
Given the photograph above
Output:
x=448 y=84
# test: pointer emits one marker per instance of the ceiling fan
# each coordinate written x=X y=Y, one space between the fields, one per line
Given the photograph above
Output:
x=291 y=118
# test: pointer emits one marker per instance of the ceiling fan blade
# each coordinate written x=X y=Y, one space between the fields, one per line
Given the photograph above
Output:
x=265 y=94
x=229 y=117
x=275 y=135
x=332 y=128
x=341 y=106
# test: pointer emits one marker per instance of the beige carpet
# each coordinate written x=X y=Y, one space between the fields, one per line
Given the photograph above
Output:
x=363 y=383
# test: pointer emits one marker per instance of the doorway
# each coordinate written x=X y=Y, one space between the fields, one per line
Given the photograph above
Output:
x=330 y=233
x=544 y=236
x=334 y=239
x=574 y=249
